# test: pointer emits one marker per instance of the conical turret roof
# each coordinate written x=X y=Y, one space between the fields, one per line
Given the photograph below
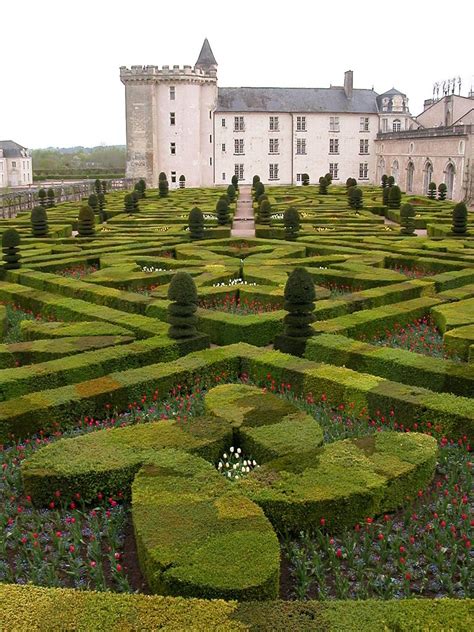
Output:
x=206 y=56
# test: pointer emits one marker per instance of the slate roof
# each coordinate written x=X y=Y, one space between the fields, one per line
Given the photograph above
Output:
x=296 y=100
x=392 y=92
x=12 y=149
x=206 y=56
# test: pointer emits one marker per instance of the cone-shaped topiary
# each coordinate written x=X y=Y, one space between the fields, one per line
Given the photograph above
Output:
x=163 y=186
x=196 y=224
x=222 y=210
x=442 y=190
x=265 y=213
x=291 y=221
x=51 y=202
x=432 y=190
x=407 y=220
x=323 y=185
x=86 y=222
x=42 y=197
x=390 y=181
x=394 y=197
x=142 y=187
x=384 y=181
x=101 y=202
x=11 y=250
x=129 y=204
x=235 y=182
x=135 y=197
x=93 y=202
x=355 y=198
x=255 y=179
x=97 y=187
x=39 y=222
x=259 y=189
x=231 y=192
x=181 y=312
x=385 y=194
x=104 y=187
x=459 y=226
x=299 y=303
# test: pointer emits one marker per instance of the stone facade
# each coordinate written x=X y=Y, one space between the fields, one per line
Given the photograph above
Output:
x=180 y=122
x=16 y=168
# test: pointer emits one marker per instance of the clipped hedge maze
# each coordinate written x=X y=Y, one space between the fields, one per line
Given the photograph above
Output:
x=84 y=331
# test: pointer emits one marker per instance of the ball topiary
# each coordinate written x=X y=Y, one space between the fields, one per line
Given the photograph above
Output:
x=394 y=197
x=459 y=226
x=39 y=222
x=442 y=190
x=11 y=251
x=196 y=224
x=86 y=222
x=291 y=221
x=265 y=213
x=181 y=312
x=299 y=303
x=407 y=219
x=222 y=210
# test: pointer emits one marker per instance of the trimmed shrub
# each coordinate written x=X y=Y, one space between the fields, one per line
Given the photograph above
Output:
x=135 y=197
x=235 y=181
x=142 y=187
x=86 y=222
x=299 y=303
x=222 y=210
x=385 y=194
x=11 y=250
x=181 y=312
x=459 y=226
x=355 y=198
x=407 y=219
x=163 y=186
x=104 y=187
x=231 y=192
x=264 y=213
x=93 y=202
x=255 y=180
x=50 y=203
x=162 y=176
x=39 y=222
x=442 y=190
x=196 y=224
x=129 y=204
x=42 y=197
x=390 y=181
x=259 y=189
x=305 y=179
x=323 y=185
x=97 y=187
x=432 y=190
x=101 y=203
x=384 y=181
x=328 y=177
x=351 y=182
x=394 y=197
x=291 y=220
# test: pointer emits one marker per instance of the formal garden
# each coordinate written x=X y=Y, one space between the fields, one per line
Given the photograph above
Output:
x=202 y=430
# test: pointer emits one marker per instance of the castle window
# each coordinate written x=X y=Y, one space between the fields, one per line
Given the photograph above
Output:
x=173 y=149
x=223 y=122
x=397 y=126
x=239 y=171
x=333 y=123
x=172 y=118
x=301 y=123
x=210 y=138
x=274 y=146
x=238 y=146
x=364 y=123
x=384 y=125
x=223 y=147
x=273 y=172
x=239 y=124
x=274 y=124
x=334 y=170
x=364 y=146
x=13 y=164
x=334 y=145
x=173 y=177
x=301 y=146
x=223 y=176
x=298 y=177
x=172 y=93
x=210 y=162
x=363 y=170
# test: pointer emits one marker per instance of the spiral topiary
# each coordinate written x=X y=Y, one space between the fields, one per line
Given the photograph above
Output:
x=432 y=190
x=129 y=204
x=42 y=197
x=51 y=202
x=97 y=187
x=291 y=221
x=459 y=226
x=390 y=181
x=355 y=198
x=407 y=220
x=222 y=210
x=86 y=222
x=442 y=190
x=300 y=295
x=384 y=181
x=196 y=224
x=39 y=222
x=163 y=186
x=181 y=312
x=11 y=250
x=265 y=213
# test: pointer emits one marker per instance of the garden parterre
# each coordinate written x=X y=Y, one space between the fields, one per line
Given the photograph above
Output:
x=85 y=338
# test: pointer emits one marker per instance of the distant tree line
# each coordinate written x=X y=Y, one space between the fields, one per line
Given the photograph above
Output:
x=79 y=162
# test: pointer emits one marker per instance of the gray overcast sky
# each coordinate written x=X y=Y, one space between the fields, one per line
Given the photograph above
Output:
x=59 y=67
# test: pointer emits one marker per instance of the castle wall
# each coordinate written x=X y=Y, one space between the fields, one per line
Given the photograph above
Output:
x=140 y=114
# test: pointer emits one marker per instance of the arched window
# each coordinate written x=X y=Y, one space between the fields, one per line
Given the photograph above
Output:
x=182 y=182
x=397 y=126
x=427 y=176
x=410 y=176
x=395 y=170
x=449 y=179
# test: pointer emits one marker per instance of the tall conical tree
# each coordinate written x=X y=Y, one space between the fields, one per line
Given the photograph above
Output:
x=42 y=197
x=300 y=295
x=196 y=224
x=222 y=210
x=51 y=202
x=291 y=221
x=129 y=204
x=86 y=222
x=459 y=226
x=97 y=186
x=407 y=219
x=181 y=312
x=93 y=202
x=11 y=250
x=265 y=213
x=394 y=197
x=39 y=222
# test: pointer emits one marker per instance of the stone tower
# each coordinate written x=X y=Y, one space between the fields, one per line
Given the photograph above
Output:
x=169 y=118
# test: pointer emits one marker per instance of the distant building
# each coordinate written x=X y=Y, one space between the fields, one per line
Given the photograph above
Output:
x=180 y=122
x=15 y=165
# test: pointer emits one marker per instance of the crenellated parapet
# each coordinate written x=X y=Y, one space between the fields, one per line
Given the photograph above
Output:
x=156 y=74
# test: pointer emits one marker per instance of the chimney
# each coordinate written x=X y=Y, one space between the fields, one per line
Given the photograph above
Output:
x=348 y=83
x=427 y=103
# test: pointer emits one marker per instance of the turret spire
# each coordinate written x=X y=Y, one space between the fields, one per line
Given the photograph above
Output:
x=206 y=59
